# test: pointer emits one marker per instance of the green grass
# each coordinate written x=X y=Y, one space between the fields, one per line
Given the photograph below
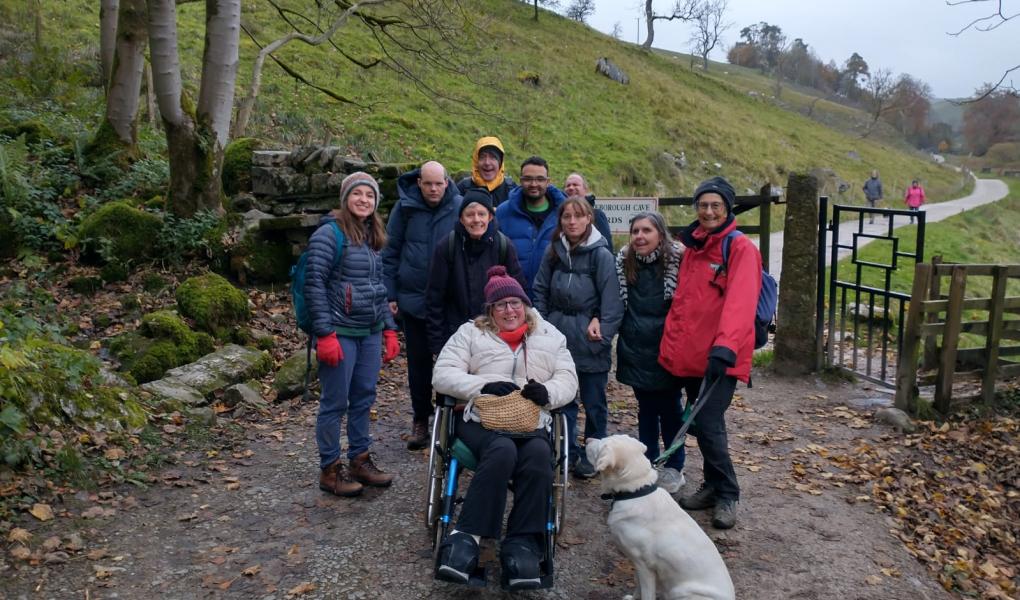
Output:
x=989 y=234
x=576 y=118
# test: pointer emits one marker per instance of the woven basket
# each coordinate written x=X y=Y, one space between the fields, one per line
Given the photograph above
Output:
x=513 y=413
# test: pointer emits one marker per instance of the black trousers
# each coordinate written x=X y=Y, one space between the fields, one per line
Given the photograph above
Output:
x=710 y=429
x=419 y=367
x=527 y=461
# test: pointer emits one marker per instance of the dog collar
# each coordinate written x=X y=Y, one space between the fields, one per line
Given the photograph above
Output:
x=638 y=493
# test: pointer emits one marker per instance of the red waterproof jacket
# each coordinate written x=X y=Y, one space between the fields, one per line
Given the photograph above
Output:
x=713 y=310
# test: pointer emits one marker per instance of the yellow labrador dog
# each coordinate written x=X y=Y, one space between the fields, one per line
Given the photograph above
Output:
x=669 y=550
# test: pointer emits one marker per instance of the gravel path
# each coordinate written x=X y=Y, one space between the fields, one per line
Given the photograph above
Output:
x=245 y=518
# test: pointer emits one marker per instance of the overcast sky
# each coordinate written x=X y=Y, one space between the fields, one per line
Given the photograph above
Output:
x=905 y=36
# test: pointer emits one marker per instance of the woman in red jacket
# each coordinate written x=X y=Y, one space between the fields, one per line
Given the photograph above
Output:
x=709 y=336
x=914 y=197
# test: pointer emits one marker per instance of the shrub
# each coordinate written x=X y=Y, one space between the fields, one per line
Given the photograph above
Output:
x=118 y=231
x=199 y=235
x=212 y=302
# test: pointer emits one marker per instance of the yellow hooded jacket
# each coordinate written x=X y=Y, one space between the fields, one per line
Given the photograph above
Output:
x=475 y=175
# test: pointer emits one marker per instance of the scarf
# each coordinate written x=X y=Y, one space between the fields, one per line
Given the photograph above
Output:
x=671 y=273
x=514 y=337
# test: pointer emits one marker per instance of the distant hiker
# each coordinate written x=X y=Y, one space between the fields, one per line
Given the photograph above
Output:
x=708 y=336
x=424 y=214
x=914 y=197
x=528 y=217
x=460 y=264
x=647 y=268
x=577 y=290
x=575 y=185
x=353 y=325
x=487 y=171
x=873 y=191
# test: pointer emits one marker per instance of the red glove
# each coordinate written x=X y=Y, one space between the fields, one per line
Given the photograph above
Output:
x=391 y=345
x=328 y=350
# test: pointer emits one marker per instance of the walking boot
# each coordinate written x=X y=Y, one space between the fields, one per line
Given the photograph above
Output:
x=699 y=500
x=365 y=471
x=336 y=480
x=419 y=435
x=725 y=516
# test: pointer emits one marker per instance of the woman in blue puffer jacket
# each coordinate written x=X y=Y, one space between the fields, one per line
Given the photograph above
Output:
x=351 y=321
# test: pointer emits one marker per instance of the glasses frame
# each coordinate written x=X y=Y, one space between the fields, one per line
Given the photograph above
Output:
x=505 y=305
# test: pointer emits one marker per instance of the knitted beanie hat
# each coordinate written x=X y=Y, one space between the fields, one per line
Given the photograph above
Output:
x=354 y=180
x=720 y=186
x=476 y=196
x=501 y=286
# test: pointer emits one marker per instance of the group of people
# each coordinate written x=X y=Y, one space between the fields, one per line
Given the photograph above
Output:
x=514 y=290
x=913 y=197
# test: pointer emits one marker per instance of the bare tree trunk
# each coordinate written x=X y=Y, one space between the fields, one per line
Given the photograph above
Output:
x=650 y=25
x=150 y=96
x=248 y=103
x=38 y=24
x=119 y=130
x=219 y=69
x=108 y=10
x=704 y=61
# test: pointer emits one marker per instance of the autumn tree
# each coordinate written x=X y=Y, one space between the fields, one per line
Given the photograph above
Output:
x=196 y=132
x=682 y=10
x=708 y=29
x=908 y=108
x=761 y=46
x=854 y=72
x=992 y=119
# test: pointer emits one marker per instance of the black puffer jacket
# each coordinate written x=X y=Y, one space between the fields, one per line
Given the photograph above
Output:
x=499 y=195
x=637 y=349
x=456 y=289
x=349 y=296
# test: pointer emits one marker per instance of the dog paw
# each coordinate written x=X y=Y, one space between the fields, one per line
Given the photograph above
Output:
x=628 y=597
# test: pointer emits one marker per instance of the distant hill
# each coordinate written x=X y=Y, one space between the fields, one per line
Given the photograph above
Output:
x=547 y=99
x=949 y=111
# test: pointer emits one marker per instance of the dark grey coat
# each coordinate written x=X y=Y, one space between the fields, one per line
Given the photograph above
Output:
x=571 y=288
x=352 y=294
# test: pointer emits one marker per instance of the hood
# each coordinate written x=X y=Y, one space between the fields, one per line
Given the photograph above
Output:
x=595 y=240
x=326 y=218
x=693 y=236
x=475 y=175
x=410 y=193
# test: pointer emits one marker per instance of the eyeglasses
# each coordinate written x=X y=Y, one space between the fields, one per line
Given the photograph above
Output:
x=515 y=304
x=712 y=206
x=527 y=180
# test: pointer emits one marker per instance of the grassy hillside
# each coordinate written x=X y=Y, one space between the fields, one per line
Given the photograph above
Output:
x=577 y=119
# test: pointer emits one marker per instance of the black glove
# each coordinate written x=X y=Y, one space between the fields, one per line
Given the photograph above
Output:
x=535 y=392
x=716 y=368
x=499 y=388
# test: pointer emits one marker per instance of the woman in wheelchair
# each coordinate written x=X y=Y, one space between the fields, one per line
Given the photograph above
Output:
x=507 y=350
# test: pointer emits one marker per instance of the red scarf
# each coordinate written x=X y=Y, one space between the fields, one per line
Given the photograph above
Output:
x=514 y=337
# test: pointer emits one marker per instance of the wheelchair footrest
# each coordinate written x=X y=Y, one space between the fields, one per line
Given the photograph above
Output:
x=476 y=579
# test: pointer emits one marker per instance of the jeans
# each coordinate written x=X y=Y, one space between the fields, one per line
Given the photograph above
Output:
x=914 y=209
x=348 y=388
x=419 y=367
x=527 y=461
x=710 y=429
x=592 y=389
x=661 y=410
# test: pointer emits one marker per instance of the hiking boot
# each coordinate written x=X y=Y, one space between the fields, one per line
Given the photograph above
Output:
x=419 y=435
x=458 y=558
x=699 y=500
x=725 y=516
x=671 y=480
x=365 y=471
x=336 y=480
x=582 y=468
x=521 y=561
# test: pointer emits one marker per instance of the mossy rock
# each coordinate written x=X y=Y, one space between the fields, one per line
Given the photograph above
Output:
x=257 y=260
x=212 y=303
x=115 y=271
x=161 y=356
x=163 y=341
x=237 y=165
x=34 y=131
x=85 y=285
x=130 y=232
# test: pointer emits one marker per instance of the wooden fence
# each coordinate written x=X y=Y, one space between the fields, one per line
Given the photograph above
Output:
x=932 y=315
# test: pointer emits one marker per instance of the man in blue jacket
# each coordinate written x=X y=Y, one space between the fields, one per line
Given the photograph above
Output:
x=425 y=213
x=528 y=217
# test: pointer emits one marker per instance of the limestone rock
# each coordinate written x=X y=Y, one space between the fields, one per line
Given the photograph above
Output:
x=228 y=365
x=604 y=66
x=290 y=378
x=243 y=393
x=174 y=392
x=896 y=418
x=269 y=158
x=202 y=415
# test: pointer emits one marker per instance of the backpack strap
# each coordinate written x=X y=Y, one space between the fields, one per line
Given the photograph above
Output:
x=451 y=247
x=340 y=239
x=502 y=240
x=727 y=241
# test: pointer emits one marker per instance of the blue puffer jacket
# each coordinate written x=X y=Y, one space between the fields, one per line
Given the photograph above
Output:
x=412 y=232
x=530 y=242
x=350 y=296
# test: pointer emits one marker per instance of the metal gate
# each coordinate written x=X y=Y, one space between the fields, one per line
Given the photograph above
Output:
x=864 y=323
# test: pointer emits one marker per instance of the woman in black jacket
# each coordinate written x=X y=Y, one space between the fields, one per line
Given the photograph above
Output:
x=647 y=268
x=456 y=287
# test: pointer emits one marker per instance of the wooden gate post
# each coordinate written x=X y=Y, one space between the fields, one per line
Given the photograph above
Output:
x=950 y=340
x=1000 y=276
x=906 y=370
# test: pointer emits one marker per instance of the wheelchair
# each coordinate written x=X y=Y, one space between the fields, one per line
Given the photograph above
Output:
x=448 y=457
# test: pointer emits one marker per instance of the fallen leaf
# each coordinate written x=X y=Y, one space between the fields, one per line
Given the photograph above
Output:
x=301 y=589
x=21 y=553
x=873 y=580
x=114 y=453
x=43 y=512
x=96 y=554
x=56 y=558
x=51 y=543
x=188 y=517
x=19 y=535
x=251 y=571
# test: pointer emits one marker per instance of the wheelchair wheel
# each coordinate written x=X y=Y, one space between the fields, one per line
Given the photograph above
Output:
x=438 y=449
x=561 y=477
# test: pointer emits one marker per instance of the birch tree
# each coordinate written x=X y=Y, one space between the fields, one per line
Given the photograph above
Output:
x=118 y=133
x=195 y=134
x=107 y=36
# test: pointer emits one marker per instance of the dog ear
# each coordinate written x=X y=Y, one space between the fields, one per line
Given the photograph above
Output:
x=606 y=456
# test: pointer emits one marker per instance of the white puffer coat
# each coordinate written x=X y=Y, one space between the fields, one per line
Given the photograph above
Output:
x=473 y=357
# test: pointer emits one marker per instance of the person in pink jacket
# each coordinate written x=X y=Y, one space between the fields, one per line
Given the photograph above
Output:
x=914 y=197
